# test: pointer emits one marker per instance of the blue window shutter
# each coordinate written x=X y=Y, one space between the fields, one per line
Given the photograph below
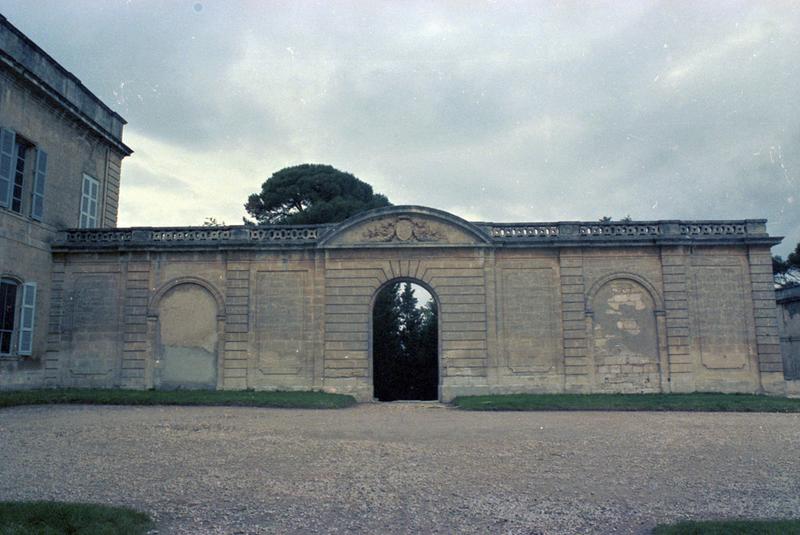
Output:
x=7 y=142
x=37 y=198
x=27 y=319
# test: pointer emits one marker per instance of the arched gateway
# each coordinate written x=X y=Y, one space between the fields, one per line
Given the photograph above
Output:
x=523 y=307
x=404 y=346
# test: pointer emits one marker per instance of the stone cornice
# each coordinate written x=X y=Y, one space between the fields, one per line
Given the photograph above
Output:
x=787 y=295
x=616 y=233
x=500 y=235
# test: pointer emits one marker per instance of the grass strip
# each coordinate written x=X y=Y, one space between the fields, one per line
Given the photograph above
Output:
x=709 y=402
x=246 y=398
x=731 y=527
x=56 y=518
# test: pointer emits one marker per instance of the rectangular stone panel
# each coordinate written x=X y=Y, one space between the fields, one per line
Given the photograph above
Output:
x=95 y=326
x=719 y=311
x=280 y=321
x=531 y=322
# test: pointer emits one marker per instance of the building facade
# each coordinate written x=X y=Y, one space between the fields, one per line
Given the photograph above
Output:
x=60 y=155
x=664 y=306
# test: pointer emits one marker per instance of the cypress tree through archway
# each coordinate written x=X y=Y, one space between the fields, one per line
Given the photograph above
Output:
x=405 y=344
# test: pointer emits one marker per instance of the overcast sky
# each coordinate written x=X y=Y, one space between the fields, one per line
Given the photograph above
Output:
x=501 y=111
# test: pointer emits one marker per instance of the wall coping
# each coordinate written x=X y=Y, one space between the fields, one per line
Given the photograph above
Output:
x=787 y=295
x=499 y=235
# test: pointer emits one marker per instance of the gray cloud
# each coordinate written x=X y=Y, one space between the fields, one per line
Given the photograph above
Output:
x=501 y=111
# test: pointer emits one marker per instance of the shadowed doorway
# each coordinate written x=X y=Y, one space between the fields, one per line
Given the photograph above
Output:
x=405 y=343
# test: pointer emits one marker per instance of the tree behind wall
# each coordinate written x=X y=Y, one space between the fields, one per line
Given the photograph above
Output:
x=311 y=194
x=386 y=343
x=429 y=350
x=787 y=272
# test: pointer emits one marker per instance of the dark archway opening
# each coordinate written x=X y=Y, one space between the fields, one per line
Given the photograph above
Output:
x=405 y=343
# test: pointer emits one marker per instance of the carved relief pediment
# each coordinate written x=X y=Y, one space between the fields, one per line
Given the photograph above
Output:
x=404 y=228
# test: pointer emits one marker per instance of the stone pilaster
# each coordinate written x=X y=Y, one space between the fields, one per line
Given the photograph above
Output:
x=52 y=364
x=235 y=357
x=676 y=310
x=770 y=362
x=317 y=334
x=494 y=355
x=137 y=353
x=577 y=376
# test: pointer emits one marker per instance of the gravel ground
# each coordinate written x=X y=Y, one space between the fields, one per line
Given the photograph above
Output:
x=399 y=468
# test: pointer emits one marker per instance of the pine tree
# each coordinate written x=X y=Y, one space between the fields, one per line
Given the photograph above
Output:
x=410 y=317
x=429 y=349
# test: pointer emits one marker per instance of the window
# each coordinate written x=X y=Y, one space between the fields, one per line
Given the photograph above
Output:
x=8 y=309
x=17 y=312
x=37 y=195
x=14 y=154
x=91 y=188
x=19 y=176
x=28 y=308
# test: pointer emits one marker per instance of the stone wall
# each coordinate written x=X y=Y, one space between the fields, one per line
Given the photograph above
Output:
x=788 y=301
x=549 y=308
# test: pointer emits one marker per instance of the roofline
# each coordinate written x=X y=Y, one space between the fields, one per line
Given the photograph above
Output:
x=48 y=91
x=60 y=67
x=20 y=70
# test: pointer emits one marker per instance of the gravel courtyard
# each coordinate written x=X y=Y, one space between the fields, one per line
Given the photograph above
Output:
x=398 y=468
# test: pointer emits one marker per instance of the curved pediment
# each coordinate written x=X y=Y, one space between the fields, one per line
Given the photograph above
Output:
x=414 y=226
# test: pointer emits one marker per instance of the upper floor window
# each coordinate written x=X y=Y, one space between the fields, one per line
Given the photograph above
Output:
x=20 y=149
x=17 y=311
x=16 y=157
x=91 y=189
x=37 y=193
